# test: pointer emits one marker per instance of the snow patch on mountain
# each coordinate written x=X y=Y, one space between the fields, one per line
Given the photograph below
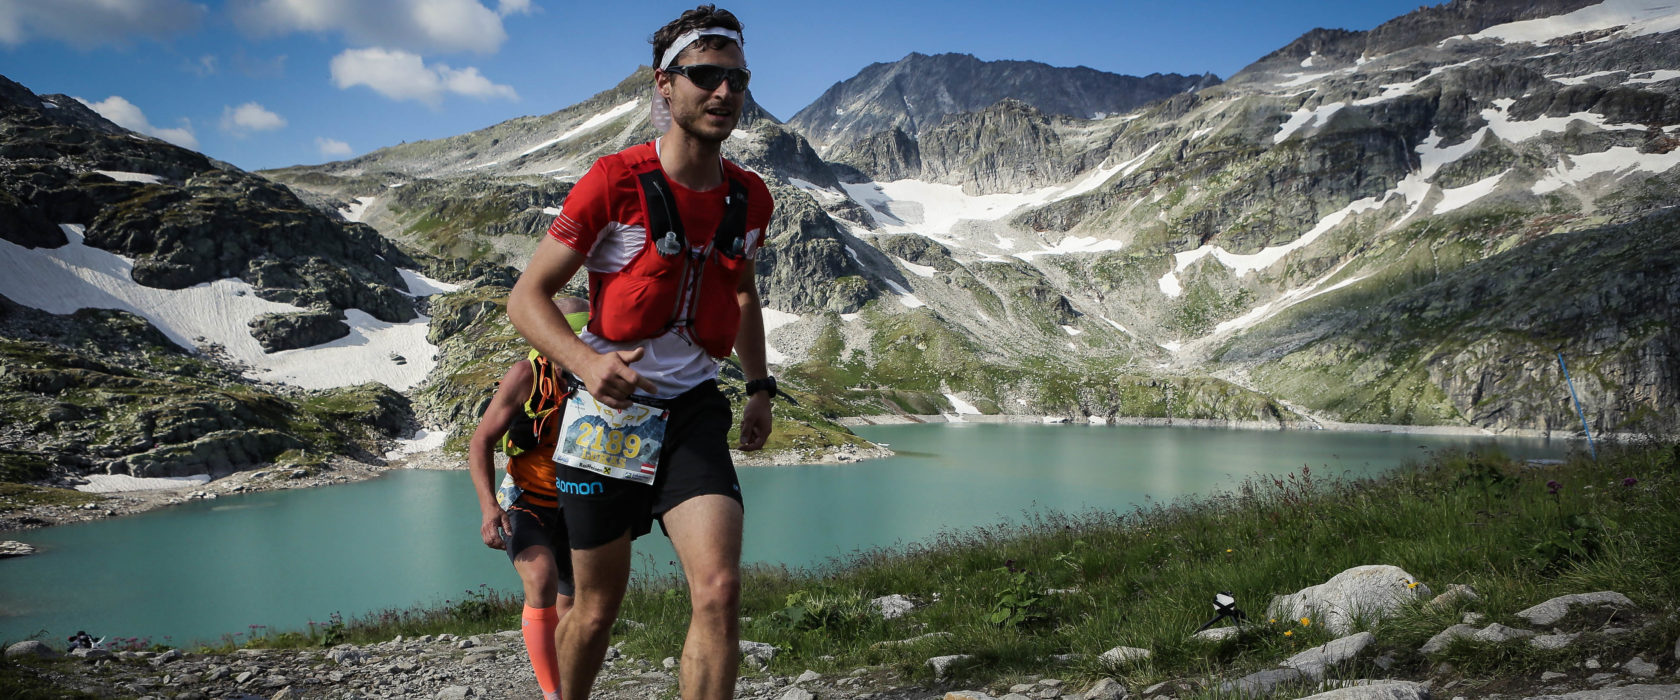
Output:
x=123 y=176
x=76 y=276
x=589 y=124
x=1304 y=118
x=1637 y=17
x=356 y=209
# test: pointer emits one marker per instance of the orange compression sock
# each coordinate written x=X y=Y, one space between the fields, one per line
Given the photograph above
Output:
x=537 y=625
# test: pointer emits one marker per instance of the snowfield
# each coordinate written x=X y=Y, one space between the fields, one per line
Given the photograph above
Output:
x=76 y=276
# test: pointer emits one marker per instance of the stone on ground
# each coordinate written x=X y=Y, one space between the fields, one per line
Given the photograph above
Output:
x=30 y=647
x=1555 y=609
x=1105 y=689
x=893 y=606
x=1445 y=637
x=1317 y=661
x=1376 y=690
x=1359 y=592
x=1120 y=655
x=943 y=665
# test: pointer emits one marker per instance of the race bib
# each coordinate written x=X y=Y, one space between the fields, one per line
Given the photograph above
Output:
x=615 y=444
x=508 y=492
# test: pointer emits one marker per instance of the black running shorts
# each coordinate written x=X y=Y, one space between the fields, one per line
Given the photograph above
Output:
x=694 y=461
x=540 y=525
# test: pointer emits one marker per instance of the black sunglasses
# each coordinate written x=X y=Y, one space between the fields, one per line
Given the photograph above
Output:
x=708 y=77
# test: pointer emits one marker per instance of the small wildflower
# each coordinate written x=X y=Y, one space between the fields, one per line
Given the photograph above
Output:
x=1629 y=481
x=1552 y=487
x=1229 y=550
x=1306 y=622
x=1272 y=621
x=1289 y=633
x=1412 y=584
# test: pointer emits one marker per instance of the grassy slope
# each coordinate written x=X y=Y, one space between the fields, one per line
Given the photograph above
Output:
x=1146 y=577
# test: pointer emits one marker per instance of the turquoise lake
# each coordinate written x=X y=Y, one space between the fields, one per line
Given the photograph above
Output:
x=206 y=569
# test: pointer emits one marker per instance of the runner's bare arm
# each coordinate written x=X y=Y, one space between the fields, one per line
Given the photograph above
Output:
x=481 y=461
x=609 y=376
x=749 y=346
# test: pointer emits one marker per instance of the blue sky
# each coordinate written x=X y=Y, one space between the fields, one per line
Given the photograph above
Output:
x=269 y=83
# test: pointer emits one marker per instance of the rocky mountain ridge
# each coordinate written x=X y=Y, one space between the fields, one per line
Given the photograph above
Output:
x=916 y=92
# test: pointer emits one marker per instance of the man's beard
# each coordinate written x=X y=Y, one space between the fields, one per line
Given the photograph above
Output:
x=696 y=127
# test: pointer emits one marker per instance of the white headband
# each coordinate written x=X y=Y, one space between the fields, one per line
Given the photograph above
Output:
x=693 y=35
x=660 y=112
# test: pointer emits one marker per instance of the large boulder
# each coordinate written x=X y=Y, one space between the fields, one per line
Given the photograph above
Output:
x=30 y=649
x=302 y=329
x=1362 y=592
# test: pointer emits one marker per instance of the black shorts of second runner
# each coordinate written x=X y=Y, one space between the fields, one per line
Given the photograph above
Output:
x=540 y=525
x=694 y=461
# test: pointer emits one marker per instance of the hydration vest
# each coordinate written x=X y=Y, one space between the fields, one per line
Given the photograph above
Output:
x=671 y=285
x=542 y=408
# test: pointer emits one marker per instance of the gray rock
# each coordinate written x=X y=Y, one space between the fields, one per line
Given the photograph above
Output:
x=13 y=548
x=758 y=654
x=1640 y=668
x=286 y=693
x=1106 y=689
x=1315 y=662
x=1022 y=688
x=1455 y=594
x=1555 y=609
x=90 y=654
x=166 y=657
x=1262 y=683
x=1385 y=690
x=913 y=640
x=943 y=666
x=1445 y=637
x=1592 y=664
x=1626 y=692
x=1497 y=633
x=797 y=694
x=345 y=654
x=1216 y=634
x=893 y=606
x=1552 y=641
x=1120 y=655
x=967 y=695
x=1359 y=592
x=1474 y=618
x=465 y=644
x=31 y=647
x=1550 y=676
x=668 y=663
x=454 y=692
x=807 y=677
x=244 y=677
x=1601 y=678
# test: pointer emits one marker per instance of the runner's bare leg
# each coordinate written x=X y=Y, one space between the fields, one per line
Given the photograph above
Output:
x=601 y=575
x=706 y=532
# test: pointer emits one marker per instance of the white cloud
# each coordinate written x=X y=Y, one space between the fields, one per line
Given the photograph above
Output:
x=90 y=23
x=332 y=147
x=416 y=25
x=510 y=7
x=250 y=117
x=129 y=116
x=401 y=75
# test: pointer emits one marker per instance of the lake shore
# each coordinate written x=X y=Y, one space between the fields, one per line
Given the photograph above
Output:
x=1447 y=430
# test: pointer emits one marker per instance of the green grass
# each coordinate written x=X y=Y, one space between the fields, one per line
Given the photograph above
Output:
x=17 y=496
x=1146 y=578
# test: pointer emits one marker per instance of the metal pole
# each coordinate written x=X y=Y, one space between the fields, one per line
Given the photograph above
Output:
x=1583 y=414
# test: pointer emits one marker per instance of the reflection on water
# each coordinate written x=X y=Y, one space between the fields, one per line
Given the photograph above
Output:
x=211 y=568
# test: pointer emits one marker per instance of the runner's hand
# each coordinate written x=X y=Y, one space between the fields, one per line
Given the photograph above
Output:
x=755 y=422
x=495 y=523
x=610 y=379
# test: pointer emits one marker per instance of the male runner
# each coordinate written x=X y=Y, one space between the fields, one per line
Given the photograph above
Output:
x=668 y=231
x=525 y=520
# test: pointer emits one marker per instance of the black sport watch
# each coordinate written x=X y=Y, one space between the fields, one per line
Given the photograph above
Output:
x=766 y=384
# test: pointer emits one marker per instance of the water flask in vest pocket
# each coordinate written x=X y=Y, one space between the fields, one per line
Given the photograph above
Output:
x=669 y=244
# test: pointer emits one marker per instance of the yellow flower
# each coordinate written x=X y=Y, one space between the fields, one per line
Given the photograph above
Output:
x=1305 y=621
x=1227 y=551
x=1289 y=633
x=1273 y=620
x=1412 y=584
